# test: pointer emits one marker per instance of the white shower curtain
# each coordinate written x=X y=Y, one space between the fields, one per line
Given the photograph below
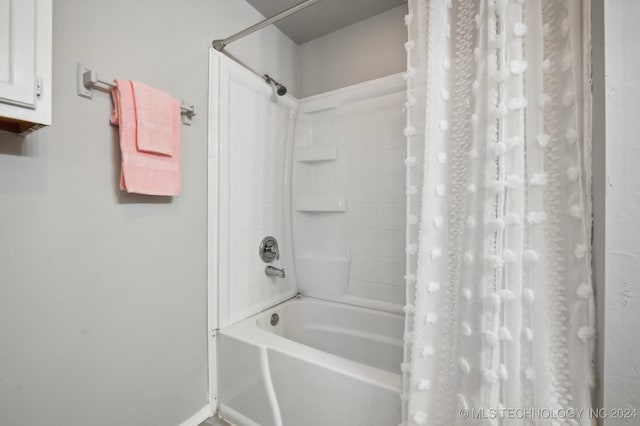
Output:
x=500 y=309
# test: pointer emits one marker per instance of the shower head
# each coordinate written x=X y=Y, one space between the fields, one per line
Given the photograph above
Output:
x=279 y=88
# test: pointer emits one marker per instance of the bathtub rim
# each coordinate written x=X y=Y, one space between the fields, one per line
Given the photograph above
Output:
x=248 y=331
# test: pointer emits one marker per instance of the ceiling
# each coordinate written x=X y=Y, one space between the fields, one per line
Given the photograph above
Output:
x=323 y=17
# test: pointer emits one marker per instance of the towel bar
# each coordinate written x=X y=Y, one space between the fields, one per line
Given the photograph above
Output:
x=88 y=79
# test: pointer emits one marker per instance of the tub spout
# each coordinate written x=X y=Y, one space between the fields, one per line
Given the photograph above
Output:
x=272 y=271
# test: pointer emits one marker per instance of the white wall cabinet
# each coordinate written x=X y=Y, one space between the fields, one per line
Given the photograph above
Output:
x=25 y=64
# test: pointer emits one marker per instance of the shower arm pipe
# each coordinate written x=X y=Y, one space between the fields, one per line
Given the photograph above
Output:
x=219 y=45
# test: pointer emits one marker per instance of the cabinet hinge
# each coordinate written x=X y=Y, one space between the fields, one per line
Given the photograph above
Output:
x=39 y=86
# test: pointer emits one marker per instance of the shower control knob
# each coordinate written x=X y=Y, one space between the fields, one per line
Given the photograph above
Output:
x=268 y=250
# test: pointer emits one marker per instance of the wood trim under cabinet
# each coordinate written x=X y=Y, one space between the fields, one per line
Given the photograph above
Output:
x=13 y=125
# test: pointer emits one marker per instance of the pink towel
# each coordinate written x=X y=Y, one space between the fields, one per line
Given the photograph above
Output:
x=156 y=115
x=146 y=172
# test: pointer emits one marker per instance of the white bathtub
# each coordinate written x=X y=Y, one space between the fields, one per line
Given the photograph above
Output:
x=323 y=364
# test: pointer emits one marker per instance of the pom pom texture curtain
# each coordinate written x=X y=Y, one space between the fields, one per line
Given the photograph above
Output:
x=500 y=308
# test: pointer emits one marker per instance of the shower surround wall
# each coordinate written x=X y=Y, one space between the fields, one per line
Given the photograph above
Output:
x=348 y=195
x=250 y=159
x=331 y=191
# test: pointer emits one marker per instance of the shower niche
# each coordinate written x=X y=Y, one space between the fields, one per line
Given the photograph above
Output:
x=348 y=195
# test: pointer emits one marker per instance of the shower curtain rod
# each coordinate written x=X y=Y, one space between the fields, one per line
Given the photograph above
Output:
x=234 y=58
x=219 y=45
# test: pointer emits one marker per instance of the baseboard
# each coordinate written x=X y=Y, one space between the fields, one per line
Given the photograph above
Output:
x=198 y=417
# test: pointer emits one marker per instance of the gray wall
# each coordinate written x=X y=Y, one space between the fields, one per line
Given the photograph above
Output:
x=363 y=51
x=620 y=186
x=103 y=294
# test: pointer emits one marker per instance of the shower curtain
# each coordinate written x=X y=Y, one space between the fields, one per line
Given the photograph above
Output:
x=500 y=308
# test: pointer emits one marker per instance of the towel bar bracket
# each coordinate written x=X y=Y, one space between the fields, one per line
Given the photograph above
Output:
x=83 y=90
x=87 y=80
x=187 y=112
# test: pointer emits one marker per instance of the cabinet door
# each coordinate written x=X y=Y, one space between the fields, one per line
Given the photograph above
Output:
x=18 y=52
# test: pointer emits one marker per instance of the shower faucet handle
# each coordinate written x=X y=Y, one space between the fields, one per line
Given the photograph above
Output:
x=268 y=250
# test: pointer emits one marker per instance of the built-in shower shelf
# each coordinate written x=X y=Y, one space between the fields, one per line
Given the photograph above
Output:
x=321 y=205
x=312 y=155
